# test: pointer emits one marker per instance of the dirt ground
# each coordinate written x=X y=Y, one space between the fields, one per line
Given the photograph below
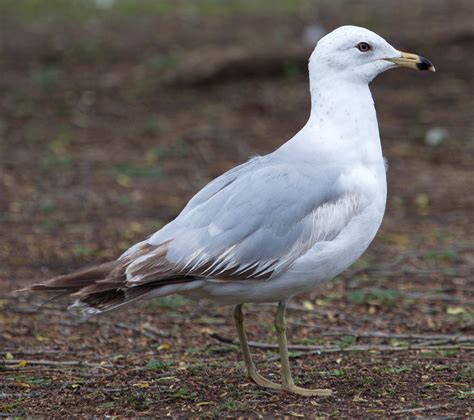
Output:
x=111 y=121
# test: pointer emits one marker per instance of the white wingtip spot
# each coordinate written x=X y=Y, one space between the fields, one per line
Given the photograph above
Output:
x=83 y=309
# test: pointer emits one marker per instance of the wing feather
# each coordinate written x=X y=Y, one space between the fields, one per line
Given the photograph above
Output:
x=250 y=223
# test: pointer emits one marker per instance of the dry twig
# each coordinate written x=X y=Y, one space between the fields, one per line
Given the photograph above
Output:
x=419 y=409
x=308 y=350
x=56 y=363
x=452 y=338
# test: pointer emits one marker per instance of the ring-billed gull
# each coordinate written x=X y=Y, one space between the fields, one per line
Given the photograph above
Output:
x=280 y=224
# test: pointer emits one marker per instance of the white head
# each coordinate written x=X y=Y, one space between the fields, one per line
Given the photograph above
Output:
x=357 y=54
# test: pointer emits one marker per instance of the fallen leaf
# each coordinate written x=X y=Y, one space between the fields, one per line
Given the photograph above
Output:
x=42 y=338
x=308 y=305
x=22 y=363
x=142 y=385
x=8 y=356
x=124 y=180
x=456 y=310
x=135 y=227
x=164 y=346
x=206 y=330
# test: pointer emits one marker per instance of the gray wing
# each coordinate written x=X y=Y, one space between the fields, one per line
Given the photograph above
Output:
x=252 y=222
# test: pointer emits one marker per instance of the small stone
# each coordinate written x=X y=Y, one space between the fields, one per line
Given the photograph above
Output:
x=435 y=136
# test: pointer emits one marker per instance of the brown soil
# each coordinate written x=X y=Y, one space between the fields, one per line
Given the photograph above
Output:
x=106 y=132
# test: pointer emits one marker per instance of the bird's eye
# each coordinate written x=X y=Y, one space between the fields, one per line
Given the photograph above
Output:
x=363 y=47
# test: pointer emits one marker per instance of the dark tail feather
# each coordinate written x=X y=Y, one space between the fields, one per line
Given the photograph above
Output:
x=99 y=289
x=72 y=283
x=96 y=303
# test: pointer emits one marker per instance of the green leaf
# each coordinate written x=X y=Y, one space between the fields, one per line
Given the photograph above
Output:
x=154 y=364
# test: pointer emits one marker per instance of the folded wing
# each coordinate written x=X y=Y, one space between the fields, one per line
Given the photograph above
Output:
x=249 y=224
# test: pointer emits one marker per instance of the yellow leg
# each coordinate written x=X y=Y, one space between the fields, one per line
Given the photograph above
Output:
x=251 y=369
x=288 y=383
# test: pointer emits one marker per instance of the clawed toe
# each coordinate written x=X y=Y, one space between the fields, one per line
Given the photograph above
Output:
x=260 y=380
x=293 y=389
x=308 y=392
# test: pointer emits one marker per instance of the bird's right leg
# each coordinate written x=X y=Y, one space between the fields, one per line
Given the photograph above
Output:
x=288 y=383
x=244 y=346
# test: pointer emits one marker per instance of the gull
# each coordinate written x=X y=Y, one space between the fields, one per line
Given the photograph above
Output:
x=278 y=225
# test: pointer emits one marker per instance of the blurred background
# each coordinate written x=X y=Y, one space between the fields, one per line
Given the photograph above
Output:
x=113 y=113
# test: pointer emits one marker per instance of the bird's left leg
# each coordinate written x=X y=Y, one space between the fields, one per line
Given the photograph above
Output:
x=287 y=380
x=244 y=345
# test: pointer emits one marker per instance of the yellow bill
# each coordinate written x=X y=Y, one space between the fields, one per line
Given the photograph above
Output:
x=412 y=61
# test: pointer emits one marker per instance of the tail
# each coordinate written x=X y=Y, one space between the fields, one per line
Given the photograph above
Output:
x=97 y=289
x=139 y=272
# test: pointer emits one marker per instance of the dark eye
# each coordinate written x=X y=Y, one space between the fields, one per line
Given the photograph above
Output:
x=363 y=47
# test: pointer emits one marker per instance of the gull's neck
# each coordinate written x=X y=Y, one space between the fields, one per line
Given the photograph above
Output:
x=345 y=109
x=342 y=125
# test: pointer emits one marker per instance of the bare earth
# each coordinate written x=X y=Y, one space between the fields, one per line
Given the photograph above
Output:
x=109 y=125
